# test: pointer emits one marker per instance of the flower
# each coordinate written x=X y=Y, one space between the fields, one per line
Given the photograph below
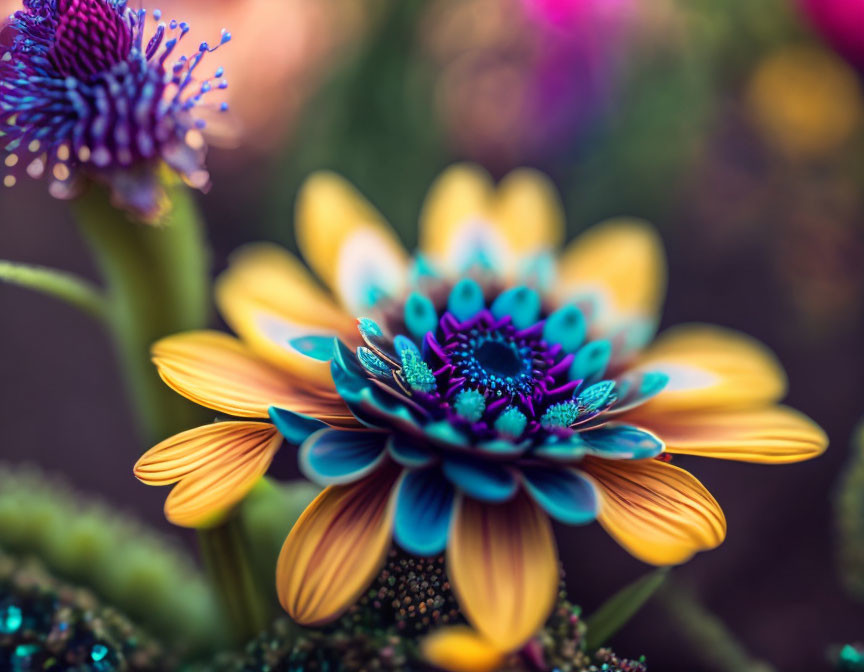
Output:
x=486 y=387
x=84 y=91
x=838 y=21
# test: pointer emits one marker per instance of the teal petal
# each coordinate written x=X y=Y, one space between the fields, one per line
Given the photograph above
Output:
x=481 y=479
x=420 y=315
x=622 y=442
x=567 y=327
x=445 y=432
x=637 y=388
x=407 y=452
x=565 y=494
x=591 y=360
x=402 y=343
x=596 y=397
x=466 y=299
x=335 y=456
x=563 y=449
x=373 y=363
x=295 y=427
x=538 y=270
x=522 y=304
x=424 y=507
x=316 y=347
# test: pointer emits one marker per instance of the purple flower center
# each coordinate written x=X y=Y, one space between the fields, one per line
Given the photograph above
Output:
x=91 y=37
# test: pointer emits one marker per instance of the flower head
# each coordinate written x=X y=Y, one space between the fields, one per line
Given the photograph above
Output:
x=85 y=91
x=474 y=393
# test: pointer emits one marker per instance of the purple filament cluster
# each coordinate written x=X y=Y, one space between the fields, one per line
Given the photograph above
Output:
x=81 y=88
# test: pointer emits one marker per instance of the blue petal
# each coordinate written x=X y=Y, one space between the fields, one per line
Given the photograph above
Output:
x=406 y=451
x=635 y=389
x=563 y=449
x=567 y=327
x=481 y=479
x=466 y=299
x=522 y=304
x=373 y=363
x=420 y=315
x=316 y=347
x=623 y=442
x=591 y=361
x=565 y=494
x=295 y=427
x=424 y=507
x=334 y=456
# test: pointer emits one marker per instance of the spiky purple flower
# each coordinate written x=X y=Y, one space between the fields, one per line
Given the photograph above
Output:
x=83 y=92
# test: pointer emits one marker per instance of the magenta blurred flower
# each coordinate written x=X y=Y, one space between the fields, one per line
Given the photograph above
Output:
x=841 y=23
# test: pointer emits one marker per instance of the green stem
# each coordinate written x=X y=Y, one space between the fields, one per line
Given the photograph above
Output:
x=225 y=552
x=709 y=636
x=157 y=284
x=59 y=284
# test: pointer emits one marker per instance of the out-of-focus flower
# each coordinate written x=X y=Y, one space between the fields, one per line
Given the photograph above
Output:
x=840 y=22
x=520 y=79
x=806 y=102
x=86 y=90
x=492 y=387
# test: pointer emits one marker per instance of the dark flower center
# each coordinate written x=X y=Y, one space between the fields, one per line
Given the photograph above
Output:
x=499 y=359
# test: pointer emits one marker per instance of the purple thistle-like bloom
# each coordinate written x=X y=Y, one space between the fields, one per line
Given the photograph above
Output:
x=84 y=92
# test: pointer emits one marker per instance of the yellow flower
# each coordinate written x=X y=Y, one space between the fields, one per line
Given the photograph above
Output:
x=496 y=385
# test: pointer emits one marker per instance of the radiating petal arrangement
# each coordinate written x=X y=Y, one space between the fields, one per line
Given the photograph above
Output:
x=458 y=400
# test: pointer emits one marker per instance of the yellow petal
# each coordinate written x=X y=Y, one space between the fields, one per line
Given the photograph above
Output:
x=772 y=435
x=196 y=449
x=347 y=242
x=658 y=512
x=216 y=465
x=622 y=263
x=269 y=298
x=503 y=566
x=712 y=368
x=217 y=371
x=336 y=548
x=463 y=193
x=528 y=211
x=460 y=649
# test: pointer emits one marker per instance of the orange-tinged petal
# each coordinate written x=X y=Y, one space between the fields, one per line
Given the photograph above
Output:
x=197 y=449
x=217 y=371
x=503 y=566
x=529 y=212
x=336 y=548
x=462 y=194
x=772 y=435
x=460 y=649
x=622 y=262
x=347 y=242
x=269 y=298
x=216 y=465
x=658 y=512
x=712 y=368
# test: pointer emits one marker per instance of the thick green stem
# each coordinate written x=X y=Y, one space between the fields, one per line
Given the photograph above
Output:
x=156 y=283
x=709 y=636
x=225 y=550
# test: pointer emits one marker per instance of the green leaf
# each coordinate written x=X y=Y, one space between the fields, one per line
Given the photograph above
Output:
x=621 y=607
x=61 y=285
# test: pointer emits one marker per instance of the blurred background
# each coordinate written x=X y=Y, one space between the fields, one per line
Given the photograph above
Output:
x=737 y=127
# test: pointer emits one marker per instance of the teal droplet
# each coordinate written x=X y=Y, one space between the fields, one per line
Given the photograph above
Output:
x=653 y=382
x=511 y=423
x=590 y=361
x=522 y=304
x=470 y=404
x=567 y=327
x=420 y=315
x=466 y=299
x=98 y=652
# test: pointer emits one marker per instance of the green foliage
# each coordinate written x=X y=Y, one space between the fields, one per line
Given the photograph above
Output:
x=621 y=607
x=64 y=286
x=849 y=507
x=127 y=565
